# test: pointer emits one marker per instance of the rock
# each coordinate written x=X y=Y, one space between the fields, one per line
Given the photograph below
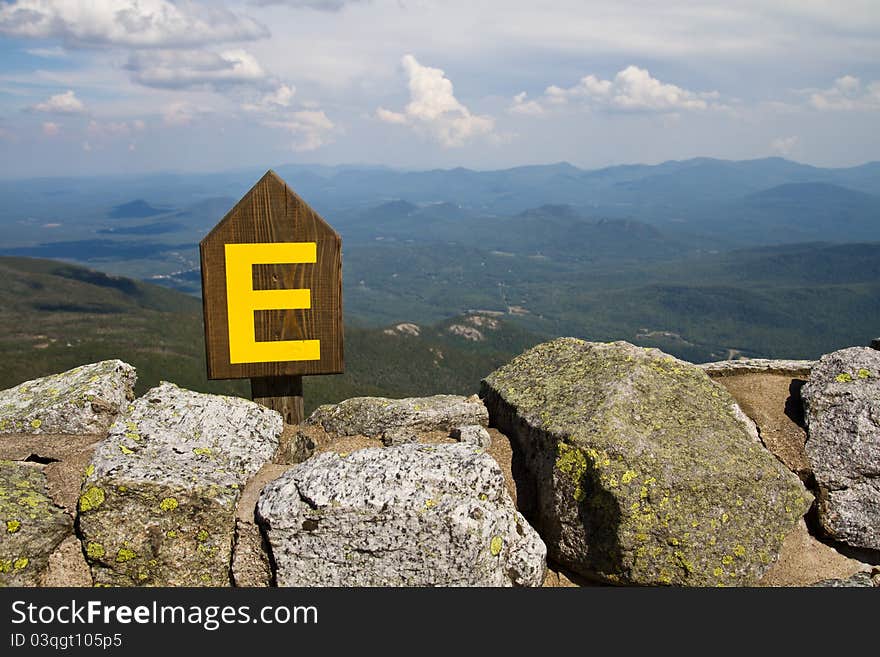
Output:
x=415 y=515
x=159 y=499
x=773 y=401
x=67 y=565
x=791 y=368
x=859 y=580
x=466 y=332
x=407 y=328
x=393 y=437
x=84 y=400
x=250 y=553
x=31 y=525
x=842 y=403
x=875 y=343
x=372 y=416
x=803 y=560
x=472 y=434
x=299 y=442
x=641 y=469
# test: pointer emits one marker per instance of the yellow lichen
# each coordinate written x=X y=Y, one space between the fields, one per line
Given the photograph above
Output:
x=844 y=377
x=13 y=526
x=430 y=504
x=91 y=499
x=90 y=470
x=718 y=572
x=496 y=545
x=21 y=563
x=125 y=554
x=202 y=451
x=727 y=559
x=202 y=536
x=739 y=551
x=168 y=504
x=171 y=533
x=94 y=550
x=36 y=423
x=628 y=476
x=125 y=450
x=863 y=373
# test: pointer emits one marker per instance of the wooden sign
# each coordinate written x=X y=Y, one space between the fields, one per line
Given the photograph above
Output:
x=272 y=293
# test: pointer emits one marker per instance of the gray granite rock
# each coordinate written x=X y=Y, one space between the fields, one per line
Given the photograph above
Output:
x=31 y=525
x=758 y=365
x=473 y=434
x=159 y=498
x=640 y=469
x=394 y=437
x=84 y=400
x=859 y=580
x=373 y=416
x=415 y=515
x=842 y=404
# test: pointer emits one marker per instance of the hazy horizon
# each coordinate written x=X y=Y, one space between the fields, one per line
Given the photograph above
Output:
x=405 y=169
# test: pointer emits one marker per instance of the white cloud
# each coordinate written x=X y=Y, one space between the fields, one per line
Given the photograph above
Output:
x=50 y=129
x=784 y=145
x=522 y=106
x=273 y=100
x=846 y=94
x=47 y=53
x=182 y=113
x=64 y=103
x=96 y=129
x=632 y=89
x=139 y=23
x=320 y=5
x=181 y=69
x=434 y=109
x=311 y=129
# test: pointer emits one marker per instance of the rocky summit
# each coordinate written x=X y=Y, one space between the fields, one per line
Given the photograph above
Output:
x=84 y=400
x=582 y=461
x=640 y=469
x=410 y=515
x=842 y=401
x=159 y=497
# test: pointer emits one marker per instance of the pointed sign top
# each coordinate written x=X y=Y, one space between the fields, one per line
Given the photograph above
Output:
x=272 y=288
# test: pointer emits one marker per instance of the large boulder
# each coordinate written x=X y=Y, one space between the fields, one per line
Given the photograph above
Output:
x=31 y=525
x=159 y=498
x=842 y=402
x=411 y=515
x=638 y=468
x=84 y=400
x=372 y=416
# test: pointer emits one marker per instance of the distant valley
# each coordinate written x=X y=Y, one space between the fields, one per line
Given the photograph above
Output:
x=704 y=258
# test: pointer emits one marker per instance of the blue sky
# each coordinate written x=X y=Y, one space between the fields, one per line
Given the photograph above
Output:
x=128 y=86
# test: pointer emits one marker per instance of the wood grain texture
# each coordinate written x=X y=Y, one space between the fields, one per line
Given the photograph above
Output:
x=280 y=393
x=272 y=212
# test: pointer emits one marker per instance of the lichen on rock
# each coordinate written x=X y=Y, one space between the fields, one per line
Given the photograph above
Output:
x=84 y=400
x=640 y=468
x=414 y=515
x=842 y=404
x=163 y=509
x=31 y=525
x=372 y=416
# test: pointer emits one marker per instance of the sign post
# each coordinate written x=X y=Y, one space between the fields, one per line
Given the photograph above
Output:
x=272 y=296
